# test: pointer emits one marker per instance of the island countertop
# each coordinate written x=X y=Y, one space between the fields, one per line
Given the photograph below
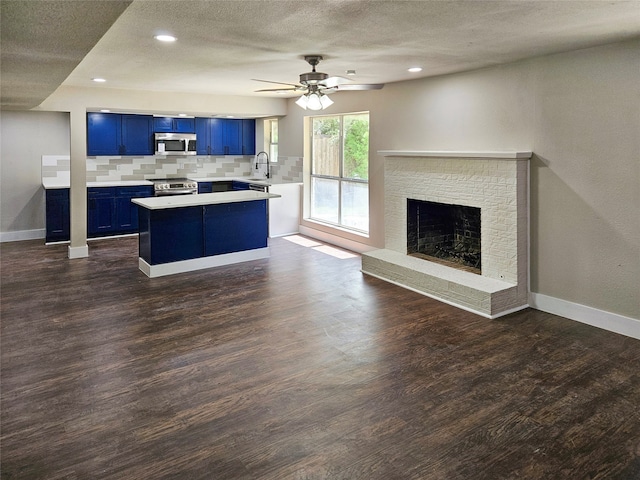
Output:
x=179 y=201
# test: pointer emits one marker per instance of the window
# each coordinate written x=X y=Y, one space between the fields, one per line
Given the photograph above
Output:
x=271 y=129
x=340 y=170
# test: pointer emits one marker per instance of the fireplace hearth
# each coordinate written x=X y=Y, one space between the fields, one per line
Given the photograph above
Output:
x=444 y=232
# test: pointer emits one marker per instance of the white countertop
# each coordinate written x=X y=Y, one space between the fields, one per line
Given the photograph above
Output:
x=178 y=201
x=53 y=182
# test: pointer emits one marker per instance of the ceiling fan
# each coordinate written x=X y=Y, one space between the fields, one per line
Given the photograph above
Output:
x=316 y=86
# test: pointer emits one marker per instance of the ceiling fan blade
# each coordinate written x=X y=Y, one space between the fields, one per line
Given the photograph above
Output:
x=328 y=90
x=283 y=89
x=335 y=81
x=366 y=86
x=277 y=83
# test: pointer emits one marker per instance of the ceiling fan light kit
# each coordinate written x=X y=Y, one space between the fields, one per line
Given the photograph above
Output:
x=317 y=85
x=314 y=101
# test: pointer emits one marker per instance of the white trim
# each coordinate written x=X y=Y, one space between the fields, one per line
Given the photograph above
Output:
x=123 y=235
x=591 y=316
x=515 y=155
x=78 y=252
x=336 y=240
x=448 y=302
x=284 y=234
x=20 y=235
x=160 y=270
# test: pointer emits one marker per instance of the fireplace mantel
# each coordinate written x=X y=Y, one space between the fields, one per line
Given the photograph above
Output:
x=506 y=155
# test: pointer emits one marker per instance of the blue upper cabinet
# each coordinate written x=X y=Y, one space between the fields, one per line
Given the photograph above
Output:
x=104 y=133
x=216 y=136
x=210 y=140
x=226 y=136
x=203 y=141
x=119 y=134
x=137 y=135
x=232 y=134
x=248 y=137
x=174 y=124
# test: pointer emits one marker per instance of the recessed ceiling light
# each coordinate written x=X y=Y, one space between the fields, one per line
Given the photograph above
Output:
x=414 y=69
x=182 y=114
x=99 y=80
x=165 y=38
x=351 y=72
x=104 y=110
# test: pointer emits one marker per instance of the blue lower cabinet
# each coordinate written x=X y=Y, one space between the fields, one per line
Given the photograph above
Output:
x=205 y=187
x=110 y=211
x=57 y=215
x=238 y=185
x=170 y=235
x=176 y=234
x=101 y=211
x=127 y=212
x=234 y=227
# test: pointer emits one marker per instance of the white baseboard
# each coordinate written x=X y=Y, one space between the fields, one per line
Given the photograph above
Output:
x=22 y=235
x=182 y=266
x=336 y=240
x=591 y=316
x=284 y=234
x=78 y=252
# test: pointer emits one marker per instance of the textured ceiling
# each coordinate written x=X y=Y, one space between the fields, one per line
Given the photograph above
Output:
x=42 y=42
x=223 y=45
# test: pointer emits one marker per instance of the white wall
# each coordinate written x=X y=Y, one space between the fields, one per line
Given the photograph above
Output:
x=586 y=178
x=579 y=112
x=25 y=137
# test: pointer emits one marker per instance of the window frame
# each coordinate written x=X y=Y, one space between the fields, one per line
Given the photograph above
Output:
x=272 y=145
x=340 y=179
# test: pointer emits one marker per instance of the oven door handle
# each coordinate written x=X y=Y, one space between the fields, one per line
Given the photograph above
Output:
x=176 y=191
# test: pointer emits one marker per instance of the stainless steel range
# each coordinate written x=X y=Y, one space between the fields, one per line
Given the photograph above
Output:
x=174 y=186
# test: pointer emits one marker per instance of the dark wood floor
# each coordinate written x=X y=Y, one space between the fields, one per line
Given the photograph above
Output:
x=295 y=367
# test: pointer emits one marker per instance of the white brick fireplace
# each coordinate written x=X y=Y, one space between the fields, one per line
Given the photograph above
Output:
x=495 y=182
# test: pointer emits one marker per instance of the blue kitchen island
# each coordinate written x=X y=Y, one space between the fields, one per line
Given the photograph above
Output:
x=190 y=232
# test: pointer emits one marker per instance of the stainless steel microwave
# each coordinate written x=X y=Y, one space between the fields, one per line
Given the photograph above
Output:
x=175 y=143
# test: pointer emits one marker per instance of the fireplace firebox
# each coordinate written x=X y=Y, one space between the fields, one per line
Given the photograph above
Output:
x=444 y=233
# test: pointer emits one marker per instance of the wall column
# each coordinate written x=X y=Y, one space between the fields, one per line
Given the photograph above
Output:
x=78 y=247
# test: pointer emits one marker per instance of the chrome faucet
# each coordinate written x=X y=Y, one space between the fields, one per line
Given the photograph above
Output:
x=262 y=158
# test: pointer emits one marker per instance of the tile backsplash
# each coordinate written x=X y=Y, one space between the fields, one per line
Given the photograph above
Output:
x=56 y=166
x=105 y=168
